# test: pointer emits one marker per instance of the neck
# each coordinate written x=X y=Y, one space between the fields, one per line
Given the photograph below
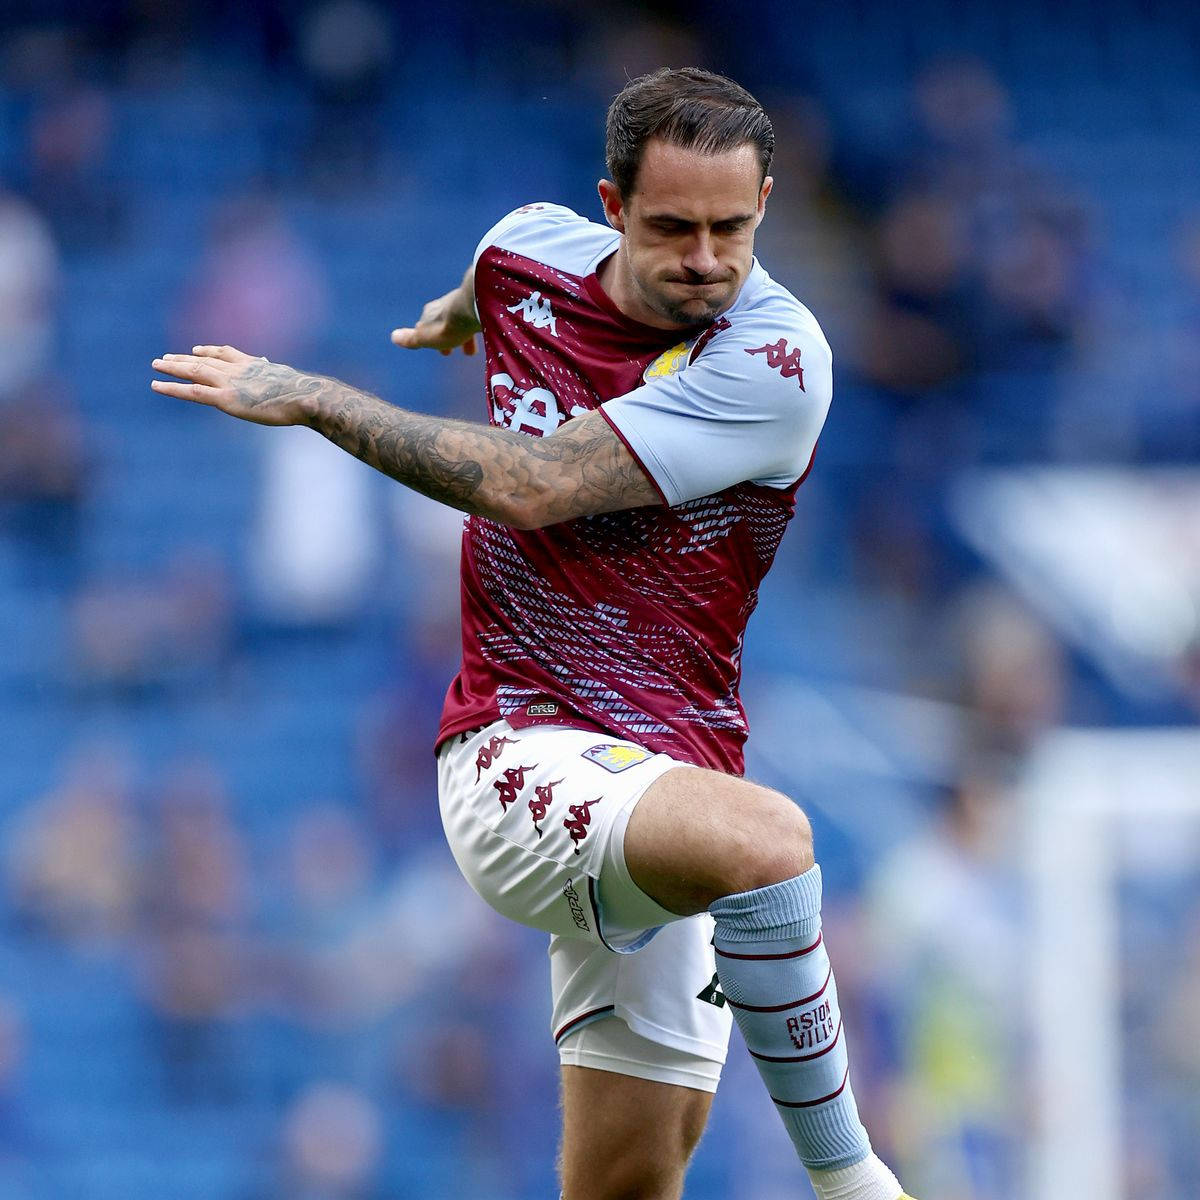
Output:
x=617 y=281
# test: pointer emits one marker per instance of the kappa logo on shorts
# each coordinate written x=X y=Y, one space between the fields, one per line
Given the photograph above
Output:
x=511 y=784
x=545 y=797
x=614 y=757
x=579 y=820
x=489 y=753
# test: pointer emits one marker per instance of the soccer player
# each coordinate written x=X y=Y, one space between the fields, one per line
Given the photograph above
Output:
x=654 y=400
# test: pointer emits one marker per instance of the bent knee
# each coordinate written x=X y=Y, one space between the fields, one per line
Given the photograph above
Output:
x=767 y=841
x=781 y=846
x=698 y=836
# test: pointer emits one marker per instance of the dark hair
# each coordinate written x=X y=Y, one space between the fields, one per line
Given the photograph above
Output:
x=688 y=107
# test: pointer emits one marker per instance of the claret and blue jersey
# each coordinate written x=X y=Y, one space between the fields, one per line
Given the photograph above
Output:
x=631 y=622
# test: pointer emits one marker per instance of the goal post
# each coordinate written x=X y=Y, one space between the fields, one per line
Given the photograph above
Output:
x=1078 y=786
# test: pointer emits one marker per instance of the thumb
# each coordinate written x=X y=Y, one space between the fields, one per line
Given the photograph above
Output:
x=406 y=338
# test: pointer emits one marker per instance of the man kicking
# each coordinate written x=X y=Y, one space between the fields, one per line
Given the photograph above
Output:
x=654 y=400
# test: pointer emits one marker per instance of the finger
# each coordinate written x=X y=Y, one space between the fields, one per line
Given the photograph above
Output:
x=224 y=353
x=469 y=345
x=445 y=353
x=406 y=338
x=184 y=366
x=198 y=393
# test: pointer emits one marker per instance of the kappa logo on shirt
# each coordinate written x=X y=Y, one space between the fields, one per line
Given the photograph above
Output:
x=783 y=360
x=536 y=311
x=616 y=758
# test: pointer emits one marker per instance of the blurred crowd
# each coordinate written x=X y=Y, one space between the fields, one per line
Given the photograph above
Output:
x=230 y=923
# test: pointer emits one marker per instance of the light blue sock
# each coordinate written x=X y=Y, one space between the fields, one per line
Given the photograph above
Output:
x=774 y=971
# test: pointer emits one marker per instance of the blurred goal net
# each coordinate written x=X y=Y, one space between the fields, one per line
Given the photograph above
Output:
x=1103 y=808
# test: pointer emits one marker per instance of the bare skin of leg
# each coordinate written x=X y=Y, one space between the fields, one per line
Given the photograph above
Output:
x=626 y=1138
x=698 y=835
x=694 y=837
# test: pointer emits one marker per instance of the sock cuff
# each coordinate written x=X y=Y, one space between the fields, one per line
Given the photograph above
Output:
x=780 y=910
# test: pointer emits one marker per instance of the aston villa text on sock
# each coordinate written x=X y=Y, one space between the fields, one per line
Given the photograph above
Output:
x=810 y=1029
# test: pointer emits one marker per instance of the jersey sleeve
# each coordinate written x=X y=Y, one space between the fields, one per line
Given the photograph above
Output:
x=749 y=408
x=517 y=225
x=538 y=213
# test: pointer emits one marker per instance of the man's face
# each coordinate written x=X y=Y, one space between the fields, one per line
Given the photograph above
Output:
x=689 y=230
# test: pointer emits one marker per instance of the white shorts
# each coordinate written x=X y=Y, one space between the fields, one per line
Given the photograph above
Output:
x=536 y=821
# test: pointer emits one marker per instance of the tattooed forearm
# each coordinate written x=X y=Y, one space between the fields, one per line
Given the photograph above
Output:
x=401 y=444
x=582 y=468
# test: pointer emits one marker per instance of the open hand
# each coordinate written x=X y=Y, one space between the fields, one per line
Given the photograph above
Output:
x=239 y=384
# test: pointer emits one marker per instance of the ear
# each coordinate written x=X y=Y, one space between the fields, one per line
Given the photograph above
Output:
x=767 y=185
x=614 y=206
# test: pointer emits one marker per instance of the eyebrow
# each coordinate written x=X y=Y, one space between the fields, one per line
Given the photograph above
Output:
x=674 y=219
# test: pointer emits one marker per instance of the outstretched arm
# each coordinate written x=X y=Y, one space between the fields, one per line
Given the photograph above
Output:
x=527 y=482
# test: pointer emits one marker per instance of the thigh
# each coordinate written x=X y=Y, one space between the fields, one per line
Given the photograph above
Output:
x=529 y=815
x=698 y=835
x=624 y=1136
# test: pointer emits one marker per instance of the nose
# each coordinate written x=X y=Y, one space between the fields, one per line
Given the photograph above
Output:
x=700 y=259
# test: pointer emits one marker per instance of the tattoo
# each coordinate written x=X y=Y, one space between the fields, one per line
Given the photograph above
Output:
x=581 y=469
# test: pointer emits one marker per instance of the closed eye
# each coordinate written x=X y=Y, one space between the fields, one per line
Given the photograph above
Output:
x=669 y=226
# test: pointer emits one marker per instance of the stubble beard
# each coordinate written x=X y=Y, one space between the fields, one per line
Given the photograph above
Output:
x=678 y=313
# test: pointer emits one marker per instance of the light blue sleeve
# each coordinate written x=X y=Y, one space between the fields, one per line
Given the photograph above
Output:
x=539 y=213
x=527 y=223
x=750 y=407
